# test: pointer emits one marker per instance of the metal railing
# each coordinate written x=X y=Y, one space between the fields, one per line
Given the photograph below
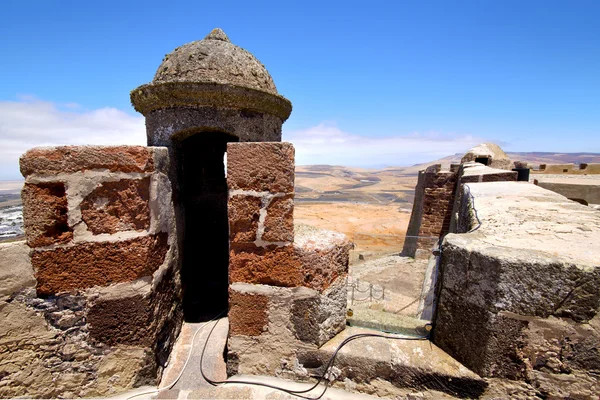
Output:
x=368 y=292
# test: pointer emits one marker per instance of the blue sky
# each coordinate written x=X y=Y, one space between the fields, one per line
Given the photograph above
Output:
x=372 y=83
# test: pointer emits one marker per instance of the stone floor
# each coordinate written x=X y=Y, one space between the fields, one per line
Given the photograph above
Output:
x=191 y=384
x=426 y=358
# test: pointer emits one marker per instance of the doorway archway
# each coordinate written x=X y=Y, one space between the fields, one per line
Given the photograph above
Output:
x=202 y=195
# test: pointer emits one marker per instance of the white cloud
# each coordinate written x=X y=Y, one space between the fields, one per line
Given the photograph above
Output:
x=30 y=122
x=327 y=144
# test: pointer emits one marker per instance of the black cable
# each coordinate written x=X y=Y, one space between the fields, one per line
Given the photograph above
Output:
x=320 y=378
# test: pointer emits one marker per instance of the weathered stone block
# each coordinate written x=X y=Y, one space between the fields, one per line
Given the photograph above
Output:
x=278 y=266
x=414 y=364
x=121 y=321
x=560 y=345
x=483 y=341
x=244 y=214
x=514 y=290
x=279 y=221
x=316 y=259
x=45 y=214
x=138 y=313
x=63 y=159
x=118 y=206
x=16 y=271
x=97 y=264
x=318 y=318
x=500 y=177
x=274 y=349
x=324 y=255
x=125 y=368
x=247 y=313
x=261 y=167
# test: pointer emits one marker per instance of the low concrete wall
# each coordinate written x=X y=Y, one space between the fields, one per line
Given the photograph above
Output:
x=518 y=296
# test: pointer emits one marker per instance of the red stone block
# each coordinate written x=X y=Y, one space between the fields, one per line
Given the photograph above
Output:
x=262 y=167
x=97 y=264
x=81 y=158
x=122 y=320
x=118 y=206
x=45 y=214
x=276 y=266
x=247 y=313
x=244 y=213
x=279 y=222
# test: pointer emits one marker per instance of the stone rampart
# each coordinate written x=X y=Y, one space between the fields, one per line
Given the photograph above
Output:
x=435 y=202
x=287 y=285
x=93 y=307
x=567 y=169
x=431 y=212
x=518 y=291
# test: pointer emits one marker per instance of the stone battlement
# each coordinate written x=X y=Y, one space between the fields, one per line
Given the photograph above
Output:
x=518 y=291
x=567 y=169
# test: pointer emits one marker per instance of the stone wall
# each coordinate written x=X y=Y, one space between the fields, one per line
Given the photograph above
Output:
x=471 y=172
x=94 y=307
x=437 y=203
x=287 y=284
x=432 y=211
x=567 y=169
x=518 y=297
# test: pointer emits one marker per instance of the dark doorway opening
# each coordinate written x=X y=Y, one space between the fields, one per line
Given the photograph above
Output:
x=482 y=160
x=203 y=196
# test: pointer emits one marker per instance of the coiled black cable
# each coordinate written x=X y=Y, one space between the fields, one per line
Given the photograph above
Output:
x=299 y=393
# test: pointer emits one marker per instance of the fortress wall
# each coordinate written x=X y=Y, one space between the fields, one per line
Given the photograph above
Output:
x=518 y=297
x=451 y=206
x=567 y=169
x=94 y=304
x=287 y=284
x=437 y=204
x=470 y=173
x=431 y=213
x=414 y=225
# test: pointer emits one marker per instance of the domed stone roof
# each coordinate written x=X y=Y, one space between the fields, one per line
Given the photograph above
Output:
x=497 y=158
x=214 y=59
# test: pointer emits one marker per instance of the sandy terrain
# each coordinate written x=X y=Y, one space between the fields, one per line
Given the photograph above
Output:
x=373 y=228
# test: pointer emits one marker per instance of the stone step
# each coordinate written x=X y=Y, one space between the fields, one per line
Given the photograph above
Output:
x=410 y=364
x=366 y=317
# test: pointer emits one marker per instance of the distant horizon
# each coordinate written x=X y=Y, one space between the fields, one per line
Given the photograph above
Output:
x=580 y=153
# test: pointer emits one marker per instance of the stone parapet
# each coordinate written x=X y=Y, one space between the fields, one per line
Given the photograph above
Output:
x=269 y=325
x=69 y=159
x=584 y=190
x=518 y=295
x=432 y=211
x=92 y=214
x=98 y=294
x=567 y=169
x=287 y=284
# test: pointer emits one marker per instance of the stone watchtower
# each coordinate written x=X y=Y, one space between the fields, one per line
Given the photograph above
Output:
x=204 y=95
x=211 y=85
x=128 y=241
